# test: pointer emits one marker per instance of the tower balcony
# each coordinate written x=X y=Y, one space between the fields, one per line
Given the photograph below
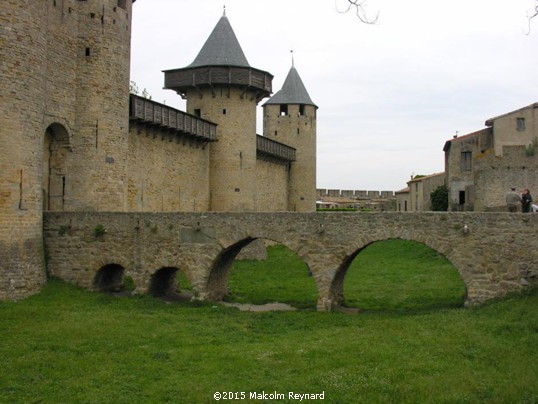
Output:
x=189 y=78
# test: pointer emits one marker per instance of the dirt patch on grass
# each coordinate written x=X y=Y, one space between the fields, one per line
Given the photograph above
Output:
x=275 y=306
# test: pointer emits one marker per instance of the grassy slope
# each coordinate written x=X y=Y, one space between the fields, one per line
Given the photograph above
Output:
x=69 y=345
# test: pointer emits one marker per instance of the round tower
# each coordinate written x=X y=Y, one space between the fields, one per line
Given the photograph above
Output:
x=221 y=86
x=290 y=117
x=97 y=178
x=22 y=107
x=64 y=81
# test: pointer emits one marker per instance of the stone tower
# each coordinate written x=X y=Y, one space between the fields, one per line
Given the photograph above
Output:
x=221 y=86
x=290 y=117
x=64 y=82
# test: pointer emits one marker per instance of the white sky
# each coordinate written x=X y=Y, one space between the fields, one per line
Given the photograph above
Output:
x=389 y=95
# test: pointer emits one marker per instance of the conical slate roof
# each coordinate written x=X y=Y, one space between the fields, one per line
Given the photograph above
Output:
x=221 y=48
x=293 y=91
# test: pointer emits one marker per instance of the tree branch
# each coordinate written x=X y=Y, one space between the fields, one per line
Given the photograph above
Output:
x=530 y=17
x=360 y=10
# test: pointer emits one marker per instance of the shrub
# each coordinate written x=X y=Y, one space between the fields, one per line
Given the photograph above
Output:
x=439 y=199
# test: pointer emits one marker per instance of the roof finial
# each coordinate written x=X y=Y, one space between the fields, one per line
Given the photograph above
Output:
x=224 y=11
x=292 y=62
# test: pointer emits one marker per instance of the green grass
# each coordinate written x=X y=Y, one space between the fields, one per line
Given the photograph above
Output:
x=69 y=345
x=283 y=277
x=402 y=275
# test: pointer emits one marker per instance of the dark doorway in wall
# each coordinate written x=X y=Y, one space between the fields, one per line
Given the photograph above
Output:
x=462 y=198
x=163 y=283
x=56 y=152
x=109 y=278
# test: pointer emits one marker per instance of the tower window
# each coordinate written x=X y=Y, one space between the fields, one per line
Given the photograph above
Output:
x=198 y=112
x=301 y=109
x=283 y=109
x=224 y=111
x=520 y=122
x=465 y=163
x=276 y=132
x=87 y=51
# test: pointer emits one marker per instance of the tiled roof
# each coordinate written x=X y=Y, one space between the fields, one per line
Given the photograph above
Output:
x=489 y=122
x=458 y=138
x=221 y=48
x=293 y=91
x=426 y=177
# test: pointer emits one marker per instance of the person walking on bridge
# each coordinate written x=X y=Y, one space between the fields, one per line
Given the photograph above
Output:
x=513 y=200
x=526 y=200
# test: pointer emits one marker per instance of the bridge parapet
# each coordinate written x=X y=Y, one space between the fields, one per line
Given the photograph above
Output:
x=495 y=253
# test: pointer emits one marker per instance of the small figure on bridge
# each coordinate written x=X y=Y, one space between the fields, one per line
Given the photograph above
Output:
x=513 y=200
x=526 y=200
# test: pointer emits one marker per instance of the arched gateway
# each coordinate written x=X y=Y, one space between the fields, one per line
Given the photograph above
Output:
x=486 y=248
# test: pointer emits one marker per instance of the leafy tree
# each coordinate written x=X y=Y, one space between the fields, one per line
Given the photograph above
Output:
x=439 y=199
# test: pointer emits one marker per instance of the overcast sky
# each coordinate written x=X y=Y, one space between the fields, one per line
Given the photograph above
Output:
x=389 y=95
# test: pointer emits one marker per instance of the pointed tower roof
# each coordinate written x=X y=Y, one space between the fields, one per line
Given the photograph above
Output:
x=221 y=48
x=293 y=91
x=221 y=62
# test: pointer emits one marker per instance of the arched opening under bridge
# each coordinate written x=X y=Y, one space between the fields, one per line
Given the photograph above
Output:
x=171 y=283
x=109 y=278
x=400 y=274
x=283 y=278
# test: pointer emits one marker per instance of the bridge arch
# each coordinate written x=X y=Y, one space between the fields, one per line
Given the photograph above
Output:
x=109 y=278
x=163 y=282
x=217 y=283
x=336 y=292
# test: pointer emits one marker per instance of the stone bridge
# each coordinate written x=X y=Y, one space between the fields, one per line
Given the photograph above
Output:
x=495 y=253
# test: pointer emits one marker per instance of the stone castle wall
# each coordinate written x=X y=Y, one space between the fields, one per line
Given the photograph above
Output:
x=166 y=174
x=271 y=186
x=495 y=175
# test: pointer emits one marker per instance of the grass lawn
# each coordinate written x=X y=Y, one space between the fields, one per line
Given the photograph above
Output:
x=69 y=345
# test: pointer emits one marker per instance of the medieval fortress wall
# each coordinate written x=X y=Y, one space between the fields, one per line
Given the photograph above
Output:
x=67 y=142
x=493 y=175
x=166 y=174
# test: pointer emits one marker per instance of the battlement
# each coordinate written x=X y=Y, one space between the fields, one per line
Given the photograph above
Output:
x=353 y=194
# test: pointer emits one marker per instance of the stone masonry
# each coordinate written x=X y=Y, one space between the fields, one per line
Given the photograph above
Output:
x=487 y=249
